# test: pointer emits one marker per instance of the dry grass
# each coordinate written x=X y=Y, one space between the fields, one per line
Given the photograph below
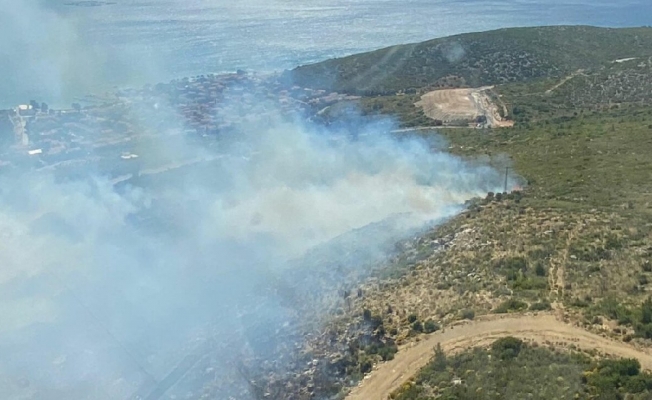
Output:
x=576 y=250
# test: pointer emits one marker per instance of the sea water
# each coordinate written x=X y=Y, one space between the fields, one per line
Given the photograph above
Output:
x=82 y=48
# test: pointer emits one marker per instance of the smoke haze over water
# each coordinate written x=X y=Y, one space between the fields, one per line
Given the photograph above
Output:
x=54 y=52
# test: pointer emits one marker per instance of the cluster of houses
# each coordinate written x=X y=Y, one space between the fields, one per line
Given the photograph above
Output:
x=208 y=105
x=213 y=104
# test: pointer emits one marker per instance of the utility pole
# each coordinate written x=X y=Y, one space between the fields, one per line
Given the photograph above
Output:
x=506 y=173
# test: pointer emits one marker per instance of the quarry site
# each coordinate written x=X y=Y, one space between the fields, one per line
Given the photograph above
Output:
x=464 y=107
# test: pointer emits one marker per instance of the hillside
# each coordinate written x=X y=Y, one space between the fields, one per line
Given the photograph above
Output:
x=476 y=59
x=569 y=251
x=576 y=241
x=579 y=234
x=616 y=83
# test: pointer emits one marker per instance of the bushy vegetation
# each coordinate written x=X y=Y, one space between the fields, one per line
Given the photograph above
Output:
x=512 y=369
x=476 y=59
x=580 y=233
x=511 y=305
x=521 y=275
x=543 y=305
x=580 y=93
x=588 y=176
x=402 y=106
x=467 y=314
x=639 y=317
x=430 y=326
x=585 y=209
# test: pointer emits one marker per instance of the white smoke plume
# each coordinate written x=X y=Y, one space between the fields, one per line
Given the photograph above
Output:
x=102 y=288
x=107 y=291
x=453 y=52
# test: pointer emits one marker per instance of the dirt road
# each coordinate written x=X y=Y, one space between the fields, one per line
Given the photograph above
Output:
x=563 y=81
x=539 y=328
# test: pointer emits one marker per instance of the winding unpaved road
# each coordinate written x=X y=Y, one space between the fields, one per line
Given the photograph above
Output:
x=563 y=81
x=540 y=328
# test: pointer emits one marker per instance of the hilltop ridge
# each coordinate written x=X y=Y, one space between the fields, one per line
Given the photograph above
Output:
x=476 y=59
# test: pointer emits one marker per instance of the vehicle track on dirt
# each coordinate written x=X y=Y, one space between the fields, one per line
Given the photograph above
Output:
x=557 y=271
x=565 y=80
x=541 y=328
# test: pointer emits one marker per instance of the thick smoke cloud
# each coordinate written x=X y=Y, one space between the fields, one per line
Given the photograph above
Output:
x=107 y=290
x=104 y=289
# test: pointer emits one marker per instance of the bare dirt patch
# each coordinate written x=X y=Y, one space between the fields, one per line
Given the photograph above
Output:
x=460 y=106
x=450 y=105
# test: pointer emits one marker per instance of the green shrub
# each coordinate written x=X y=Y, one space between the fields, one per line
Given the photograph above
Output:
x=579 y=303
x=507 y=348
x=613 y=242
x=366 y=366
x=612 y=309
x=541 y=306
x=647 y=266
x=468 y=314
x=617 y=376
x=637 y=384
x=430 y=326
x=510 y=305
x=387 y=352
x=512 y=266
x=529 y=283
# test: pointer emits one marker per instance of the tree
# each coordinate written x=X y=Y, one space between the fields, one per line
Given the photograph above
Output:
x=507 y=347
x=646 y=311
x=439 y=362
x=76 y=106
x=430 y=326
